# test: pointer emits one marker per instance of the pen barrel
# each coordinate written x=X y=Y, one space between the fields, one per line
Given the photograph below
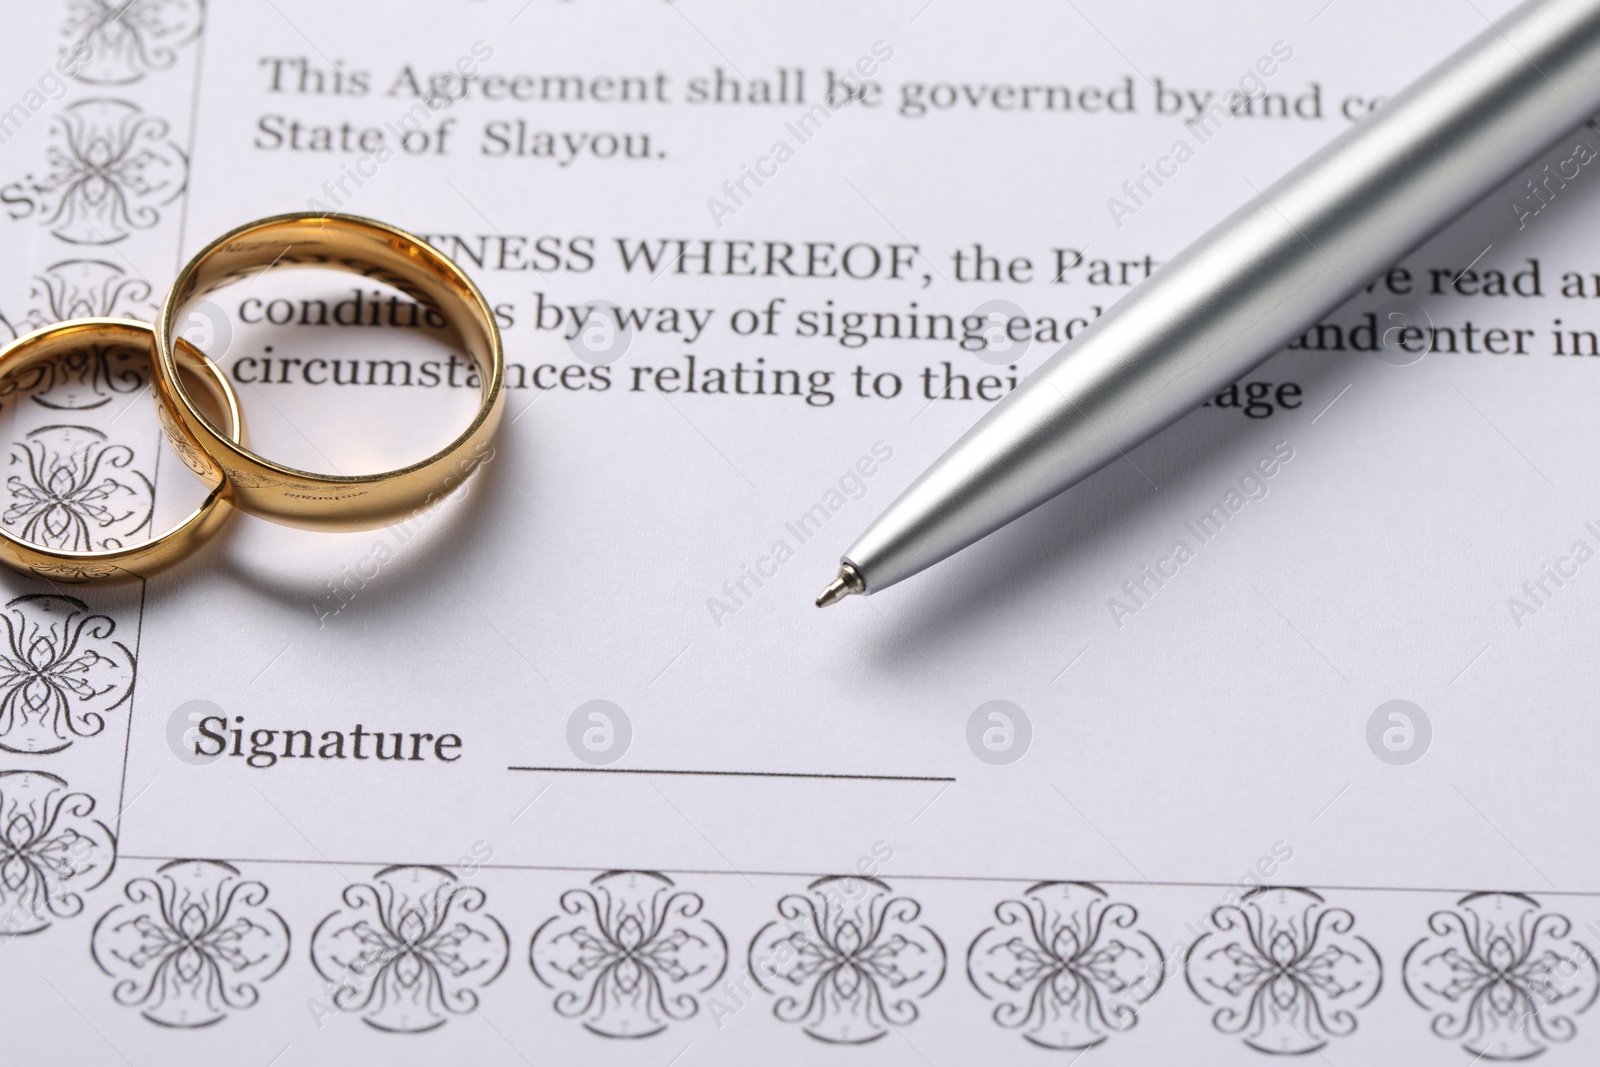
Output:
x=1249 y=286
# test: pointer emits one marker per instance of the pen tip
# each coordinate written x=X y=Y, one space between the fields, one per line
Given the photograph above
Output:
x=848 y=582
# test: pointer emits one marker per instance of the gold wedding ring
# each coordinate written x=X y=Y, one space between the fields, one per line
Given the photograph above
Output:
x=147 y=557
x=384 y=254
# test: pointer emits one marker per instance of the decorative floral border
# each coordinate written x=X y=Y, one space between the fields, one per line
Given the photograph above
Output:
x=52 y=851
x=1067 y=966
x=629 y=954
x=845 y=960
x=62 y=671
x=189 y=946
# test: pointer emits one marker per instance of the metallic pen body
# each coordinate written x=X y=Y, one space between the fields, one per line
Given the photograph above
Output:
x=1295 y=252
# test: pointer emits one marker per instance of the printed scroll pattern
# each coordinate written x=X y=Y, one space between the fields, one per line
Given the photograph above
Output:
x=629 y=954
x=61 y=673
x=52 y=850
x=1284 y=971
x=410 y=949
x=89 y=376
x=1063 y=964
x=190 y=944
x=1066 y=965
x=1502 y=976
x=87 y=288
x=847 y=960
x=72 y=489
x=112 y=169
x=126 y=39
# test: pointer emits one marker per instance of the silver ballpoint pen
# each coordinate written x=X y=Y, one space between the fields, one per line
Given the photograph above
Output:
x=1250 y=285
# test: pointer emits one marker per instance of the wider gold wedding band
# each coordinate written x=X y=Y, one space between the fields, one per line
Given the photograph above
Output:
x=147 y=557
x=385 y=254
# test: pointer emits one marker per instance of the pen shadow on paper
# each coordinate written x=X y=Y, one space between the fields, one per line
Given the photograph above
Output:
x=1026 y=559
x=1023 y=561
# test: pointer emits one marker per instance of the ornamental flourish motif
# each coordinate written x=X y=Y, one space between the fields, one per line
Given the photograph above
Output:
x=113 y=169
x=190 y=944
x=72 y=489
x=1502 y=976
x=88 y=376
x=61 y=673
x=80 y=289
x=52 y=850
x=1066 y=965
x=126 y=39
x=847 y=960
x=1284 y=971
x=86 y=289
x=410 y=949
x=629 y=954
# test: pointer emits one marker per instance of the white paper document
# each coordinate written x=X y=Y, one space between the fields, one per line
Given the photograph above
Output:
x=1275 y=737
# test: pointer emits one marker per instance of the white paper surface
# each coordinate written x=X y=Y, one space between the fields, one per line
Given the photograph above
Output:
x=544 y=878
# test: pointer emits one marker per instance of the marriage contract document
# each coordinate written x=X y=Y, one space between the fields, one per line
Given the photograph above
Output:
x=1274 y=737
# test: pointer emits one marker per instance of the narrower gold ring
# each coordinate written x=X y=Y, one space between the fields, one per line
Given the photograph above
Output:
x=147 y=557
x=374 y=250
